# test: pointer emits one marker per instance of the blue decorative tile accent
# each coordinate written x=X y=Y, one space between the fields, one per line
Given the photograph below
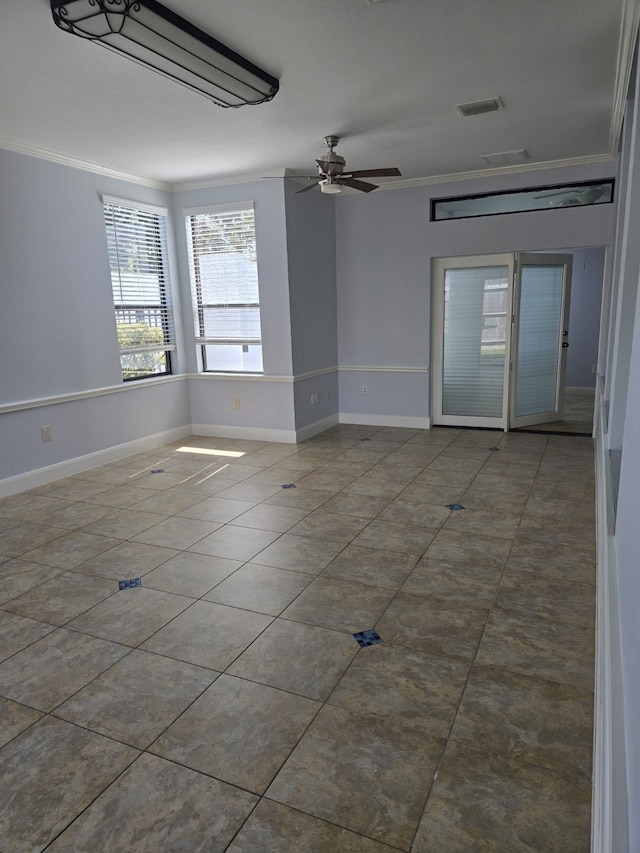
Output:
x=454 y=507
x=365 y=439
x=494 y=449
x=289 y=486
x=132 y=583
x=367 y=638
x=157 y=470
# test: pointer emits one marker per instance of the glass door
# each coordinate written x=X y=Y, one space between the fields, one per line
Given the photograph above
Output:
x=500 y=339
x=472 y=350
x=540 y=338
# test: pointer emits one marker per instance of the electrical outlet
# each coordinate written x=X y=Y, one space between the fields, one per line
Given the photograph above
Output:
x=327 y=395
x=594 y=368
x=236 y=404
x=47 y=433
x=365 y=389
x=314 y=398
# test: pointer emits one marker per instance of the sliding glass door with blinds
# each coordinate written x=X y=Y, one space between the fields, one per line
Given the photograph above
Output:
x=224 y=286
x=500 y=334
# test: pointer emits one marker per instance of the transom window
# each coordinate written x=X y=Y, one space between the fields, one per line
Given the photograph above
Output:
x=137 y=245
x=224 y=286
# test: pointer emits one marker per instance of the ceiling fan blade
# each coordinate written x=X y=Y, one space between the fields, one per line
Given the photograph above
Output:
x=311 y=186
x=376 y=173
x=358 y=185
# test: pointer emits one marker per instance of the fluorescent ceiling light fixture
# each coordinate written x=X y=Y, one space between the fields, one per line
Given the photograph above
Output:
x=152 y=35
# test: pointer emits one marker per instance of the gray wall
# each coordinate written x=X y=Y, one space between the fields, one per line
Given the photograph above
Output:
x=584 y=316
x=385 y=246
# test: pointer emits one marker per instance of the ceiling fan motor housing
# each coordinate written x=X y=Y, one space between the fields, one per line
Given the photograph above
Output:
x=331 y=164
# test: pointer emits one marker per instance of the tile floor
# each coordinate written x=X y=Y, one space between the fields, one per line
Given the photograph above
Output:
x=225 y=705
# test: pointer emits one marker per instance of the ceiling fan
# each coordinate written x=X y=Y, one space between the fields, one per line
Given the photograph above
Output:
x=332 y=176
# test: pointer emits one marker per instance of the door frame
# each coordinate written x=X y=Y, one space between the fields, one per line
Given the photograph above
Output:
x=514 y=262
x=437 y=347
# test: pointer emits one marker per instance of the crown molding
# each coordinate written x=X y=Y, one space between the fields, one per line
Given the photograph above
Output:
x=65 y=160
x=210 y=183
x=624 y=68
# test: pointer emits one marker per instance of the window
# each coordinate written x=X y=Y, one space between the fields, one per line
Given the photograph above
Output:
x=516 y=201
x=224 y=285
x=137 y=244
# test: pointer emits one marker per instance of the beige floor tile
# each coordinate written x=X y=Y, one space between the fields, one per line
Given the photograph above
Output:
x=539 y=648
x=58 y=600
x=238 y=731
x=53 y=770
x=276 y=518
x=490 y=804
x=166 y=503
x=301 y=659
x=456 y=548
x=329 y=525
x=273 y=826
x=326 y=479
x=235 y=543
x=462 y=583
x=217 y=509
x=208 y=634
x=177 y=532
x=339 y=605
x=159 y=806
x=254 y=492
x=580 y=537
x=547 y=598
x=131 y=615
x=547 y=560
x=527 y=719
x=394 y=536
x=439 y=626
x=71 y=515
x=19 y=537
x=416 y=513
x=126 y=560
x=412 y=688
x=490 y=500
x=190 y=574
x=15 y=718
x=299 y=553
x=19 y=576
x=261 y=588
x=16 y=633
x=374 y=486
x=371 y=566
x=496 y=524
x=126 y=495
x=69 y=550
x=362 y=506
x=137 y=698
x=345 y=768
x=299 y=497
x=50 y=670
x=436 y=494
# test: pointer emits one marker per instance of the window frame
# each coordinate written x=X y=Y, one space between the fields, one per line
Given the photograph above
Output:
x=154 y=220
x=199 y=306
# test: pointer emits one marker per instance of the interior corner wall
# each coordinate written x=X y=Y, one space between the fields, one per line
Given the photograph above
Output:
x=311 y=256
x=587 y=280
x=385 y=246
x=59 y=360
x=245 y=406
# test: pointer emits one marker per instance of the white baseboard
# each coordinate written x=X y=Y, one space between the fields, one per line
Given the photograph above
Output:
x=59 y=470
x=385 y=420
x=317 y=427
x=287 y=436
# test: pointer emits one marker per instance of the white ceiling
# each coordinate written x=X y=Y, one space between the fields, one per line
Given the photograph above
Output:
x=383 y=75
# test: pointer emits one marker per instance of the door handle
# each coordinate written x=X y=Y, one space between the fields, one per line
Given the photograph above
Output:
x=564 y=344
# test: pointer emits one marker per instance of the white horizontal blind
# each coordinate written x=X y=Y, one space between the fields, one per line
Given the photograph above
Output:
x=539 y=339
x=475 y=305
x=137 y=245
x=224 y=286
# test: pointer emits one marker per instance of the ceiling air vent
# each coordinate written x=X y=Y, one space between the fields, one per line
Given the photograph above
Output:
x=476 y=108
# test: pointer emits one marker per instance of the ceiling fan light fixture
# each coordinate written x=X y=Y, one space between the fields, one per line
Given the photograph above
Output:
x=330 y=187
x=154 y=36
